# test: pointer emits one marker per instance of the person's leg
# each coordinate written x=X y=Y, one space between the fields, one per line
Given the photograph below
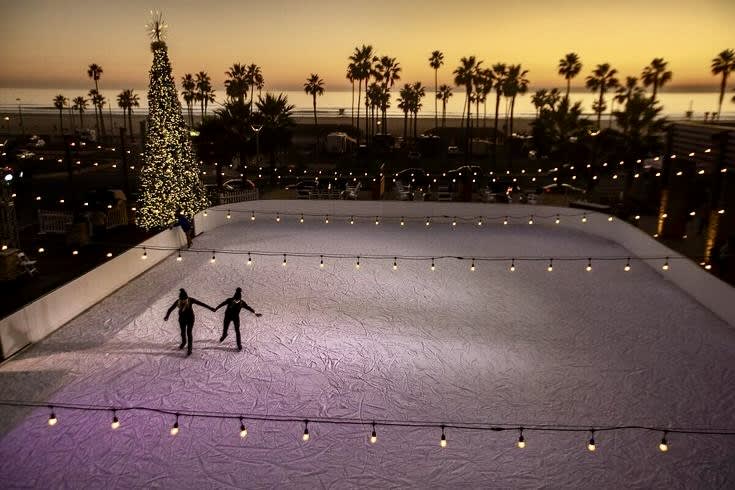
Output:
x=236 y=322
x=225 y=326
x=189 y=334
x=182 y=326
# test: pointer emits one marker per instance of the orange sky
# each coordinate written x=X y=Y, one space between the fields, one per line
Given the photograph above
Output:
x=49 y=43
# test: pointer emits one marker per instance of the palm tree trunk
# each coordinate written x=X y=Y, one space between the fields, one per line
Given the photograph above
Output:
x=612 y=106
x=653 y=95
x=512 y=110
x=436 y=89
x=130 y=121
x=359 y=97
x=484 y=114
x=461 y=121
x=723 y=86
x=61 y=122
x=314 y=97
x=415 y=132
x=468 y=129
x=405 y=124
x=569 y=84
x=102 y=121
x=97 y=120
x=367 y=111
x=81 y=119
x=495 y=132
x=201 y=107
x=599 y=110
x=444 y=113
x=352 y=107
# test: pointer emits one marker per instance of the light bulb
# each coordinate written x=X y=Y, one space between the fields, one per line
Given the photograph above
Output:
x=179 y=258
x=551 y=265
x=591 y=444
x=357 y=264
x=454 y=222
x=479 y=222
x=278 y=218
x=41 y=250
x=395 y=264
x=373 y=436
x=284 y=260
x=432 y=265
x=609 y=218
x=305 y=437
x=428 y=221
x=252 y=216
x=321 y=262
x=175 y=428
x=512 y=265
x=664 y=444
x=352 y=220
x=627 y=266
x=75 y=252
x=52 y=420
x=243 y=430
x=521 y=441
x=589 y=265
x=584 y=218
x=115 y=422
x=229 y=215
x=145 y=254
x=530 y=220
x=505 y=220
x=326 y=219
x=666 y=264
x=443 y=440
x=377 y=221
x=213 y=259
x=402 y=221
x=250 y=260
x=472 y=267
x=557 y=221
x=301 y=220
x=109 y=254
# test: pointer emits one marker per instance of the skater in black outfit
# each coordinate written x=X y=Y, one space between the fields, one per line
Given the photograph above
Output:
x=186 y=317
x=232 y=314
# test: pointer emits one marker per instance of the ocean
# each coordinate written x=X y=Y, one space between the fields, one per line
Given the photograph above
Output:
x=675 y=104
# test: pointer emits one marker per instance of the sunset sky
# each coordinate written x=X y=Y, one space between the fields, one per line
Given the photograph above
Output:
x=49 y=43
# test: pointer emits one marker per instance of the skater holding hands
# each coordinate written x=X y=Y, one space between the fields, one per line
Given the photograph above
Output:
x=186 y=317
x=232 y=314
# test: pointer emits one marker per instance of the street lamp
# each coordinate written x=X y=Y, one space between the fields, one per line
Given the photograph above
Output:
x=20 y=117
x=257 y=128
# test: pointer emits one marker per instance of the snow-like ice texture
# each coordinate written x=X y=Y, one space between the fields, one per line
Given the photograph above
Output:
x=452 y=346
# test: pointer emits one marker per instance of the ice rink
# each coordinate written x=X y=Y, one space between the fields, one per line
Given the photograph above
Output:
x=530 y=347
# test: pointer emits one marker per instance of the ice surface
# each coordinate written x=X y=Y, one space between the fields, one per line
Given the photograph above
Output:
x=529 y=347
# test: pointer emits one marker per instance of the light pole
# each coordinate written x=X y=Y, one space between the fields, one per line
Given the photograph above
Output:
x=257 y=128
x=20 y=117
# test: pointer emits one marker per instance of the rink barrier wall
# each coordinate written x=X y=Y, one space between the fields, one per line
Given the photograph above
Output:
x=42 y=317
x=690 y=277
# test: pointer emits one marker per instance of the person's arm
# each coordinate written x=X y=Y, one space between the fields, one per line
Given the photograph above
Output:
x=197 y=302
x=247 y=307
x=222 y=304
x=173 y=307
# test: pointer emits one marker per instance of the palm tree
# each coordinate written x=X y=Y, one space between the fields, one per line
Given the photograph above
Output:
x=656 y=74
x=723 y=64
x=188 y=85
x=204 y=90
x=388 y=72
x=464 y=75
x=94 y=71
x=236 y=85
x=93 y=97
x=404 y=103
x=569 y=67
x=436 y=60
x=351 y=77
x=538 y=99
x=484 y=85
x=418 y=91
x=355 y=71
x=123 y=101
x=516 y=84
x=624 y=93
x=602 y=80
x=60 y=102
x=254 y=78
x=500 y=73
x=363 y=59
x=275 y=115
x=126 y=100
x=314 y=86
x=80 y=104
x=443 y=94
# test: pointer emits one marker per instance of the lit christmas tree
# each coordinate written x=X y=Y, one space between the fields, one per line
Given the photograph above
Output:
x=170 y=178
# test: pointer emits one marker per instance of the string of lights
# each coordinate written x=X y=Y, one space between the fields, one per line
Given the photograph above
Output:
x=241 y=418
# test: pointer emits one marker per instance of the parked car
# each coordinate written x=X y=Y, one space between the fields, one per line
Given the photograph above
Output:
x=238 y=185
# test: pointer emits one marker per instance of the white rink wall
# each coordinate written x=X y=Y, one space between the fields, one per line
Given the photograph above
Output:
x=711 y=292
x=45 y=315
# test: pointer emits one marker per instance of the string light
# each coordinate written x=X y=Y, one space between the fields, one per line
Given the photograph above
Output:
x=243 y=430
x=175 y=428
x=321 y=262
x=326 y=220
x=145 y=254
x=115 y=421
x=377 y=221
x=250 y=259
x=512 y=265
x=109 y=254
x=443 y=440
x=472 y=267
x=479 y=222
x=352 y=220
x=609 y=218
x=432 y=265
x=402 y=221
x=213 y=259
x=229 y=215
x=301 y=220
x=205 y=213
x=530 y=220
x=666 y=264
x=395 y=263
x=663 y=446
x=252 y=216
x=284 y=260
x=521 y=440
x=305 y=437
x=505 y=220
x=454 y=222
x=374 y=435
x=589 y=265
x=428 y=221
x=584 y=218
x=557 y=220
x=357 y=263
x=551 y=265
x=591 y=444
x=627 y=265
x=75 y=252
x=52 y=420
x=41 y=250
x=278 y=218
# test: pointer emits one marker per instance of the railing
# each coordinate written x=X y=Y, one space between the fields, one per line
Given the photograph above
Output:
x=117 y=216
x=229 y=197
x=54 y=221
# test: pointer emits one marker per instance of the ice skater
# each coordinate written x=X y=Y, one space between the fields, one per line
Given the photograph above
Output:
x=232 y=314
x=186 y=317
